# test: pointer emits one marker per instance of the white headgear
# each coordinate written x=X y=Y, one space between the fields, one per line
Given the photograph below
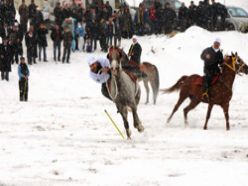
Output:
x=217 y=40
x=91 y=60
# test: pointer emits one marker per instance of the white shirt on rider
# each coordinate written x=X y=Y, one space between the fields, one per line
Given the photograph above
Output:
x=101 y=77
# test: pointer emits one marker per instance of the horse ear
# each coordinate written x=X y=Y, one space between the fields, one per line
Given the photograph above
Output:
x=236 y=53
x=232 y=54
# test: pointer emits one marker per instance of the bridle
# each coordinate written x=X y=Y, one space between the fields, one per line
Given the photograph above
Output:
x=232 y=66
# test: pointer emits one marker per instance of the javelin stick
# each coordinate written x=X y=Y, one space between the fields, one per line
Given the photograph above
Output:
x=114 y=124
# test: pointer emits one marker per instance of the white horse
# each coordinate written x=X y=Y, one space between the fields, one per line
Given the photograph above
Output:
x=125 y=93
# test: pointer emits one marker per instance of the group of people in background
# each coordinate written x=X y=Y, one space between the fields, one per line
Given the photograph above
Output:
x=79 y=28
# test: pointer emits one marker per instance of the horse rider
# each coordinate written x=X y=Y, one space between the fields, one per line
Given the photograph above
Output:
x=100 y=72
x=134 y=54
x=213 y=58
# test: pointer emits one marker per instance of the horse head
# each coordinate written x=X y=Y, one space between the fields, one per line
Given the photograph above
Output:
x=235 y=63
x=114 y=57
x=114 y=53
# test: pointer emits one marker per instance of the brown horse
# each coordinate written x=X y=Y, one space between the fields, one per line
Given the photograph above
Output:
x=220 y=92
x=149 y=69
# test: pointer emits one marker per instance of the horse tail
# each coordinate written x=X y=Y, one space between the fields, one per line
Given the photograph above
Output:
x=175 y=87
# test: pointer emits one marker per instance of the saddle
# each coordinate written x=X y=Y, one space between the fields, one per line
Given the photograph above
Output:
x=199 y=80
x=132 y=76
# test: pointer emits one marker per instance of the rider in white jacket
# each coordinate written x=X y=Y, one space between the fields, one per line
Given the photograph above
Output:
x=99 y=72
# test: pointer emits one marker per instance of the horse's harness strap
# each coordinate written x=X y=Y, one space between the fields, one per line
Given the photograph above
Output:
x=232 y=67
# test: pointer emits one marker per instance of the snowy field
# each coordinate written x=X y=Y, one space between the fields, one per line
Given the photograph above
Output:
x=63 y=137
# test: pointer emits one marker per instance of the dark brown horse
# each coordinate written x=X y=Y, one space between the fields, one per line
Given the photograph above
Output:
x=149 y=69
x=220 y=92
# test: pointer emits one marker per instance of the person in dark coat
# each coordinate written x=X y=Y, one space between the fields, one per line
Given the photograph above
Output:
x=183 y=17
x=192 y=13
x=67 y=37
x=23 y=73
x=169 y=16
x=30 y=40
x=110 y=33
x=58 y=14
x=135 y=51
x=5 y=62
x=57 y=37
x=117 y=30
x=213 y=58
x=15 y=38
x=42 y=40
x=23 y=11
x=32 y=10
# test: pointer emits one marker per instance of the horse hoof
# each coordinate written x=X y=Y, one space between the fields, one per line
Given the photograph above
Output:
x=205 y=128
x=140 y=128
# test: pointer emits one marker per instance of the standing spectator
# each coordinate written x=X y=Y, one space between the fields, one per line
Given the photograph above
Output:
x=67 y=45
x=139 y=19
x=222 y=12
x=30 y=40
x=37 y=19
x=192 y=13
x=169 y=17
x=87 y=40
x=110 y=32
x=23 y=73
x=58 y=14
x=153 y=18
x=94 y=33
x=117 y=30
x=183 y=17
x=5 y=65
x=102 y=35
x=10 y=12
x=42 y=40
x=23 y=11
x=109 y=9
x=127 y=24
x=56 y=36
x=80 y=32
x=15 y=38
x=32 y=10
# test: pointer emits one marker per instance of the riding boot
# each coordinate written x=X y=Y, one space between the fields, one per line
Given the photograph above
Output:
x=105 y=91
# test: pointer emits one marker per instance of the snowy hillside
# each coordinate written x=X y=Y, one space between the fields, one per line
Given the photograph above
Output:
x=63 y=137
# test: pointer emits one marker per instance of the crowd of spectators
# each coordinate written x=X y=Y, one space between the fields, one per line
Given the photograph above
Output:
x=85 y=29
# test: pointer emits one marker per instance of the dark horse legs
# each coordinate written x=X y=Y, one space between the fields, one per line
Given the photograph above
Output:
x=210 y=106
x=193 y=103
x=225 y=110
x=182 y=97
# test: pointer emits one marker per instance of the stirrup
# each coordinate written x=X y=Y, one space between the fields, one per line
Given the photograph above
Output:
x=205 y=95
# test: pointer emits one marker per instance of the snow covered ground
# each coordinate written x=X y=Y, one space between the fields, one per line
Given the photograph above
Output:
x=63 y=137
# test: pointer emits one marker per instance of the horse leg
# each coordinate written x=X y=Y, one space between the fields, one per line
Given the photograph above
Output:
x=137 y=96
x=182 y=97
x=210 y=106
x=226 y=113
x=136 y=121
x=123 y=111
x=191 y=106
x=147 y=90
